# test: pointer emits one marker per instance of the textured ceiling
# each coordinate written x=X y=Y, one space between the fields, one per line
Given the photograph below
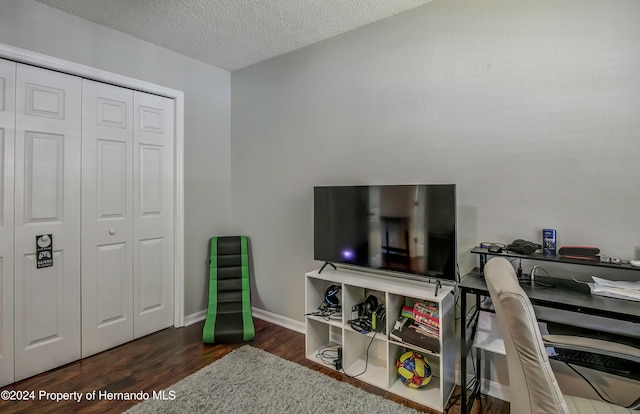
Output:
x=232 y=34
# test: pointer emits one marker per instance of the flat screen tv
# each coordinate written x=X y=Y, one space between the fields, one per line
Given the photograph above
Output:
x=410 y=229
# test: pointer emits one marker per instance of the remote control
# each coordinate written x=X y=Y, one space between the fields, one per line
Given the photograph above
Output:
x=634 y=263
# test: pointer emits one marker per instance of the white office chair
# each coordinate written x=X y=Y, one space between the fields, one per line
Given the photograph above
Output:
x=532 y=383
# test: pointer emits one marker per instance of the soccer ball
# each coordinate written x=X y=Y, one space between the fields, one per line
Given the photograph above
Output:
x=413 y=369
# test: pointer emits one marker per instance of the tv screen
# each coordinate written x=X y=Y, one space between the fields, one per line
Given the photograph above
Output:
x=402 y=228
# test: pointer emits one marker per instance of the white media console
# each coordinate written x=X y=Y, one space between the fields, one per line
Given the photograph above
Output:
x=383 y=351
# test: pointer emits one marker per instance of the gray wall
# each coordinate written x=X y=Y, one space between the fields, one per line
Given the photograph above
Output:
x=531 y=107
x=39 y=28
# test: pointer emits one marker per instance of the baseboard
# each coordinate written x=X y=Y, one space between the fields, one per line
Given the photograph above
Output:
x=496 y=390
x=258 y=313
x=279 y=320
x=490 y=388
x=195 y=317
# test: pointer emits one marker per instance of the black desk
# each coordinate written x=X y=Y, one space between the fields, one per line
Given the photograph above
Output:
x=565 y=295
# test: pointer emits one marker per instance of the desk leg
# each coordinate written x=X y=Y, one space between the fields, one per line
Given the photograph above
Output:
x=466 y=347
x=477 y=389
x=463 y=352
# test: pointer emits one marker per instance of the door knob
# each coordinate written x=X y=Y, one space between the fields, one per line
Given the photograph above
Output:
x=112 y=232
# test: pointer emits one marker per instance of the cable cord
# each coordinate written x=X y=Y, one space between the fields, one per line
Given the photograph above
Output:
x=589 y=382
x=325 y=311
x=454 y=399
x=471 y=312
x=458 y=308
x=325 y=354
x=537 y=282
x=366 y=361
x=473 y=365
x=451 y=403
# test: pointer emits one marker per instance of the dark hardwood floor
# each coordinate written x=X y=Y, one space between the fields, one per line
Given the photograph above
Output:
x=159 y=360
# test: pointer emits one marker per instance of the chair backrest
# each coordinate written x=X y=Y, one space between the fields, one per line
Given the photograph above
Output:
x=532 y=384
x=229 y=316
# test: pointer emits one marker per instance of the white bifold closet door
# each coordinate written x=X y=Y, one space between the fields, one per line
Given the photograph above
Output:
x=153 y=203
x=127 y=219
x=90 y=164
x=7 y=134
x=47 y=201
x=107 y=219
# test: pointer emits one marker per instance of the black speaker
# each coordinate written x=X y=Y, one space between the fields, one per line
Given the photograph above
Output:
x=579 y=252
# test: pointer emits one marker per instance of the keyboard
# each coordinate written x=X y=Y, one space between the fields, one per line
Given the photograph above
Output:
x=604 y=363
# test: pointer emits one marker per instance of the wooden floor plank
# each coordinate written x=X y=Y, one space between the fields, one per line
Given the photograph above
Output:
x=159 y=360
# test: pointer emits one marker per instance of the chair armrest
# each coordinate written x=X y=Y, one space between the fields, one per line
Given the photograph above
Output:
x=592 y=345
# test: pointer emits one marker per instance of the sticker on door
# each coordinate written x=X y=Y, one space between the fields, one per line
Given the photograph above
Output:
x=44 y=250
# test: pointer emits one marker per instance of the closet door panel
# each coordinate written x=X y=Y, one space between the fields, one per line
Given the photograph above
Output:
x=107 y=219
x=150 y=280
x=153 y=213
x=47 y=202
x=7 y=133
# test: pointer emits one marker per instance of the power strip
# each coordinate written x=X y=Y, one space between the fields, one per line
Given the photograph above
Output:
x=338 y=361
